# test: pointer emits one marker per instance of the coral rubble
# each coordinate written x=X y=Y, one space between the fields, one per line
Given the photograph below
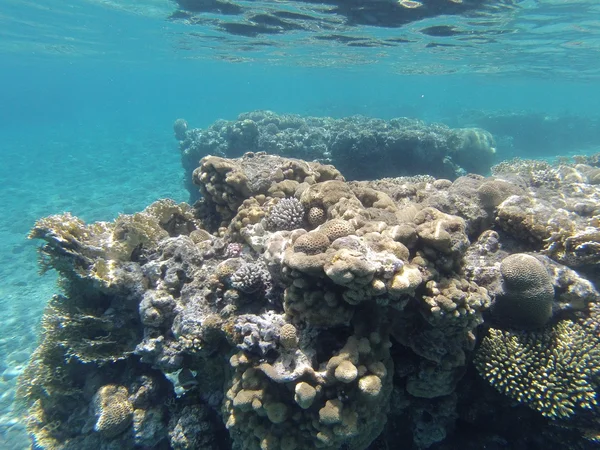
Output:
x=291 y=309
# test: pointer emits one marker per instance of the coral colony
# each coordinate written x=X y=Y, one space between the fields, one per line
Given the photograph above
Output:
x=291 y=309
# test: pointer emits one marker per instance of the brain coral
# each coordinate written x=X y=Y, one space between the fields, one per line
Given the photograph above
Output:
x=493 y=192
x=336 y=228
x=114 y=411
x=554 y=371
x=288 y=336
x=316 y=216
x=528 y=293
x=312 y=243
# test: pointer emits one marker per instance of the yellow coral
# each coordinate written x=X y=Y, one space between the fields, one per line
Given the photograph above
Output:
x=443 y=232
x=114 y=411
x=304 y=394
x=552 y=371
x=405 y=281
x=245 y=398
x=331 y=413
x=200 y=236
x=370 y=386
x=277 y=412
x=346 y=372
x=135 y=231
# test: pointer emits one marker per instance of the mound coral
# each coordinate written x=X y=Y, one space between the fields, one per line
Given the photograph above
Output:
x=528 y=292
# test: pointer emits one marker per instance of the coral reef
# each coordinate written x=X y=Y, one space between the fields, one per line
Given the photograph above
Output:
x=290 y=309
x=360 y=147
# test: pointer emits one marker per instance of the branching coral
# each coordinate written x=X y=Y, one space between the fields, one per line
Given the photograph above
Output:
x=287 y=214
x=555 y=370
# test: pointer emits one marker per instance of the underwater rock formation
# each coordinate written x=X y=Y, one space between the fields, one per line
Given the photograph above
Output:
x=360 y=147
x=291 y=309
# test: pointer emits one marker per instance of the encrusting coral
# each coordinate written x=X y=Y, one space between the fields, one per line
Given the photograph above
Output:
x=290 y=309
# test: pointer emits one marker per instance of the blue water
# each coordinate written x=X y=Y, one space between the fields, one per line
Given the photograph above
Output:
x=89 y=92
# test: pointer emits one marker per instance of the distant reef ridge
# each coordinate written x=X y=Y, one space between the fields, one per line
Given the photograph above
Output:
x=289 y=308
x=362 y=148
x=531 y=134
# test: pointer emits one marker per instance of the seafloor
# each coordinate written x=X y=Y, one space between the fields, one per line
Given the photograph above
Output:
x=292 y=308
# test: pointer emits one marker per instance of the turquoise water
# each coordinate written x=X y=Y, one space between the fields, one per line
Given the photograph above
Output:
x=89 y=91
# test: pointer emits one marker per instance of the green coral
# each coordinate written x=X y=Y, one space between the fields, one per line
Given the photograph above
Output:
x=72 y=246
x=555 y=370
x=47 y=396
x=133 y=232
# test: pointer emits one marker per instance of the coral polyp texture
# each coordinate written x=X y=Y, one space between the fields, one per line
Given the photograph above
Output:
x=292 y=309
x=361 y=147
x=555 y=371
x=528 y=292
